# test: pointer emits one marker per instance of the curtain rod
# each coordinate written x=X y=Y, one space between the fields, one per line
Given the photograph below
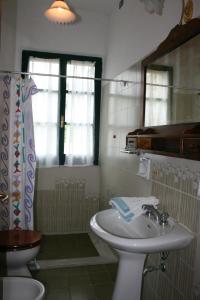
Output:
x=124 y=82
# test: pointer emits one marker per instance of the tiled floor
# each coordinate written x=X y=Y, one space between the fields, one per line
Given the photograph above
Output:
x=66 y=246
x=78 y=283
x=86 y=282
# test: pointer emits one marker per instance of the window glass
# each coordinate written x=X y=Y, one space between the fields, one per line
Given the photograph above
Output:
x=158 y=104
x=46 y=110
x=79 y=113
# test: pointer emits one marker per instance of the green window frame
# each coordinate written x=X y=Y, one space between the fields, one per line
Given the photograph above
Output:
x=63 y=59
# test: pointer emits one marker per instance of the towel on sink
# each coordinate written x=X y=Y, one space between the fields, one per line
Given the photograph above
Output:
x=131 y=207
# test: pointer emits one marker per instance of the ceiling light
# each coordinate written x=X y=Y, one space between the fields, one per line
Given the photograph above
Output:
x=59 y=12
x=154 y=6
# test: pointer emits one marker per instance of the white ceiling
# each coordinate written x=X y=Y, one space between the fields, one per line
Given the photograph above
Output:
x=103 y=6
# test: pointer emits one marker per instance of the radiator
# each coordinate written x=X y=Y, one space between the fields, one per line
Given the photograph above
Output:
x=66 y=209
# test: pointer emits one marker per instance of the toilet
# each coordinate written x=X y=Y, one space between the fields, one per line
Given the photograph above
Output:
x=17 y=248
x=21 y=288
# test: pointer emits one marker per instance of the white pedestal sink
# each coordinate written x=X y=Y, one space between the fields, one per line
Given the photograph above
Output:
x=133 y=241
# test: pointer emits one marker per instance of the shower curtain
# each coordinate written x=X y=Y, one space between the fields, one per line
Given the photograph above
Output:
x=17 y=152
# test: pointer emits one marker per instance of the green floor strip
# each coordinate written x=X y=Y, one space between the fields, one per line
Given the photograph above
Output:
x=66 y=246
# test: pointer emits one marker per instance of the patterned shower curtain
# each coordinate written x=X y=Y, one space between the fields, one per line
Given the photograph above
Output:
x=17 y=152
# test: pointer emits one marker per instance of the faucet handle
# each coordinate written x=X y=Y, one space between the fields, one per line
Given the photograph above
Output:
x=147 y=206
x=149 y=210
x=164 y=218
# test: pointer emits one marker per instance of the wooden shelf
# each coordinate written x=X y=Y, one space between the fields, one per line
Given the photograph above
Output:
x=178 y=144
x=129 y=151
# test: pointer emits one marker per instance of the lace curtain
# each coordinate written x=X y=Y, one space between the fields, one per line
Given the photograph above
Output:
x=79 y=114
x=45 y=110
x=157 y=107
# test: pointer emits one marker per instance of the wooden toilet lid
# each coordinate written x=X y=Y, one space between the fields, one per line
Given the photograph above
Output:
x=19 y=239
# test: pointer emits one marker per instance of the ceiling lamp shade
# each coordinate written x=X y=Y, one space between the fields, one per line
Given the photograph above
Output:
x=59 y=12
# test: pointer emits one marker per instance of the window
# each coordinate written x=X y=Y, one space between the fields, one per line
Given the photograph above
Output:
x=66 y=111
x=158 y=108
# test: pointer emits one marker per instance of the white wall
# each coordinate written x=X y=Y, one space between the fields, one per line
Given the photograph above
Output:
x=134 y=33
x=8 y=34
x=129 y=42
x=35 y=32
x=130 y=35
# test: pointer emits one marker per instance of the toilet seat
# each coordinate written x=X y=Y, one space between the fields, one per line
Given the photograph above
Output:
x=14 y=240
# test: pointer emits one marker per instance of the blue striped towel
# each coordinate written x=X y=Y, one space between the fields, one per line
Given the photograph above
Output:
x=123 y=208
x=131 y=207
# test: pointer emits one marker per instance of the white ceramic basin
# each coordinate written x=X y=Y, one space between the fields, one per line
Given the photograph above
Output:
x=21 y=288
x=142 y=235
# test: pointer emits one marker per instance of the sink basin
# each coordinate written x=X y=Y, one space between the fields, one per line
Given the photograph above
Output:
x=142 y=235
x=132 y=242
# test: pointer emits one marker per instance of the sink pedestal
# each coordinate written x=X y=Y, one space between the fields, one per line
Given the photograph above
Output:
x=129 y=277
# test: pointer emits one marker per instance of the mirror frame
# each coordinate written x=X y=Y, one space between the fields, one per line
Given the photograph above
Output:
x=177 y=36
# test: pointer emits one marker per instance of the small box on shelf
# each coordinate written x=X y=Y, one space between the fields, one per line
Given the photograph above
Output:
x=131 y=142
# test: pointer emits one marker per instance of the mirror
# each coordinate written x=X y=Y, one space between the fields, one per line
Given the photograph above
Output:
x=172 y=79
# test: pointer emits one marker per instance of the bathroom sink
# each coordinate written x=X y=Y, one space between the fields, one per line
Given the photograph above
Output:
x=141 y=235
x=132 y=242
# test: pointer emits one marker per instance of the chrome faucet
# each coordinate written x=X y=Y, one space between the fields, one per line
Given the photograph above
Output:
x=151 y=211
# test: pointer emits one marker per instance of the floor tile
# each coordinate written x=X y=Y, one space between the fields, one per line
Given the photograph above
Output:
x=58 y=295
x=78 y=283
x=93 y=282
x=82 y=292
x=104 y=291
